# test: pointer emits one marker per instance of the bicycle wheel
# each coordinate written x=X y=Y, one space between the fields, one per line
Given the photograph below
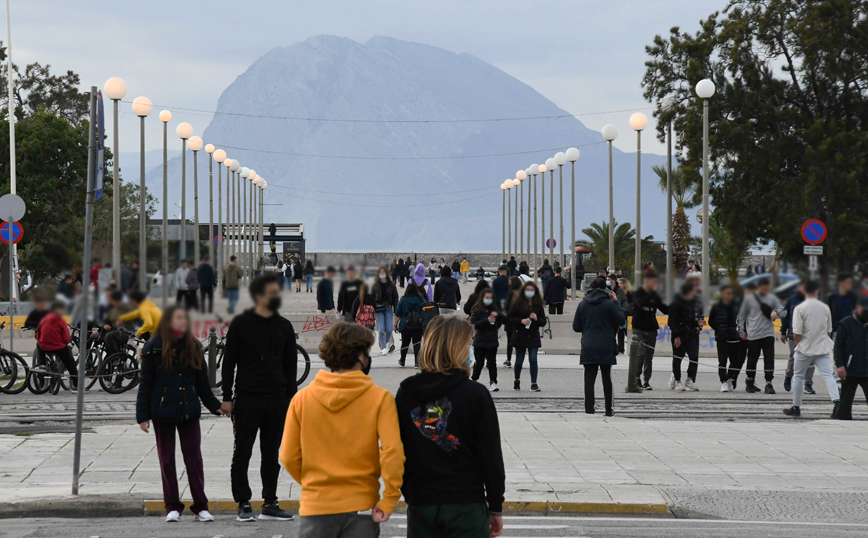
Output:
x=221 y=349
x=118 y=373
x=13 y=373
x=56 y=380
x=303 y=365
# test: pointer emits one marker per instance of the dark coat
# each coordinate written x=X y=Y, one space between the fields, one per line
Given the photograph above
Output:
x=500 y=288
x=598 y=318
x=485 y=334
x=787 y=322
x=645 y=307
x=325 y=295
x=556 y=290
x=207 y=276
x=851 y=346
x=526 y=337
x=385 y=292
x=171 y=394
x=683 y=320
x=839 y=313
x=447 y=293
x=723 y=320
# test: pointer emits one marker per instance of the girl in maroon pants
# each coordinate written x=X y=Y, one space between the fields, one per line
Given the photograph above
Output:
x=173 y=381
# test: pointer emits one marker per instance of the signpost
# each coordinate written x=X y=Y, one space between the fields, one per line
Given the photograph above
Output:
x=814 y=232
x=12 y=208
x=551 y=243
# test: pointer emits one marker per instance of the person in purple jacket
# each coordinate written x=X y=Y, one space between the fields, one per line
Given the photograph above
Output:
x=419 y=277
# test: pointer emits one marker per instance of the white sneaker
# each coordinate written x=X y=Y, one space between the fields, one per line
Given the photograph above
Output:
x=493 y=387
x=384 y=351
x=679 y=387
x=204 y=516
x=672 y=381
x=724 y=387
x=173 y=517
x=691 y=386
x=729 y=385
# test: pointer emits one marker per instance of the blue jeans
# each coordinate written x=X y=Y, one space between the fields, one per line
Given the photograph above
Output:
x=519 y=360
x=232 y=295
x=432 y=274
x=309 y=282
x=385 y=325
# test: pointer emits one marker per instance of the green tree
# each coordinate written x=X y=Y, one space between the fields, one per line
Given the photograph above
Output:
x=683 y=192
x=788 y=137
x=625 y=245
x=727 y=251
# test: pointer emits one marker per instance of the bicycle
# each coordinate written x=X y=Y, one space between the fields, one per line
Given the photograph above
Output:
x=119 y=372
x=13 y=369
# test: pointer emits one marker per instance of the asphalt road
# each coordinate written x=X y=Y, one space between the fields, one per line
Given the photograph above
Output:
x=515 y=527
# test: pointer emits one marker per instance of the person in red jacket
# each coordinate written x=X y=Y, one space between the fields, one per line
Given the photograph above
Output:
x=52 y=336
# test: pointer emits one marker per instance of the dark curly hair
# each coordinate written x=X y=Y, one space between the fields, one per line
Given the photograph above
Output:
x=341 y=345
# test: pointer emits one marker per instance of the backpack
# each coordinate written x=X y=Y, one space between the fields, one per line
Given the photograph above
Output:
x=414 y=321
x=429 y=312
x=365 y=316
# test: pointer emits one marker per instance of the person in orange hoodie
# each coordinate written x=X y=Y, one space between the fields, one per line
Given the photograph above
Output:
x=341 y=436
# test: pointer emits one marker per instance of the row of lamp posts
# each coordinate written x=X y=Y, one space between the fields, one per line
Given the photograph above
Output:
x=513 y=225
x=243 y=227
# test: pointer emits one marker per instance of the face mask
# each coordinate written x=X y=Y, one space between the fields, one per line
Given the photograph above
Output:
x=487 y=302
x=366 y=368
x=274 y=304
x=529 y=294
x=382 y=277
x=470 y=358
x=609 y=283
x=178 y=333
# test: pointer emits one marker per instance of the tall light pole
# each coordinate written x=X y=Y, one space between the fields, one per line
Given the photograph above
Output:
x=195 y=146
x=610 y=133
x=521 y=176
x=503 y=220
x=165 y=117
x=115 y=89
x=236 y=208
x=572 y=155
x=218 y=157
x=262 y=185
x=254 y=224
x=142 y=107
x=550 y=166
x=668 y=106
x=184 y=131
x=561 y=160
x=638 y=122
x=542 y=238
x=705 y=90
x=539 y=170
x=210 y=149
x=245 y=174
x=248 y=228
x=516 y=185
x=508 y=184
x=230 y=206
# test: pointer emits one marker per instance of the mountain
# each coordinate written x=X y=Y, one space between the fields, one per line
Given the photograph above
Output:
x=351 y=204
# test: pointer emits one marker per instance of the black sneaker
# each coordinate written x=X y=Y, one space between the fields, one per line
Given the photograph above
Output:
x=401 y=363
x=734 y=383
x=788 y=383
x=273 y=512
x=534 y=387
x=750 y=386
x=516 y=385
x=245 y=513
x=809 y=389
x=610 y=412
x=647 y=386
x=793 y=412
x=391 y=348
x=507 y=363
x=769 y=389
x=835 y=406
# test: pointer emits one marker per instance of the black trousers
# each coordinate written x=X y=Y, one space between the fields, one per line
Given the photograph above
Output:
x=406 y=339
x=207 y=296
x=690 y=347
x=265 y=415
x=509 y=332
x=591 y=380
x=64 y=354
x=115 y=341
x=848 y=394
x=485 y=355
x=622 y=334
x=766 y=346
x=728 y=351
x=556 y=308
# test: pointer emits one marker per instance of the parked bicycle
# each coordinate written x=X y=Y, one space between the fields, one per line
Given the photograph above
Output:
x=13 y=369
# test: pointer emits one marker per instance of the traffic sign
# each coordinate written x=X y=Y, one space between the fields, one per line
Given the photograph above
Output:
x=813 y=250
x=551 y=243
x=218 y=240
x=13 y=236
x=814 y=232
x=12 y=207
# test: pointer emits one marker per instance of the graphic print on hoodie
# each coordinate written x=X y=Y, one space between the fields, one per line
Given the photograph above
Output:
x=433 y=421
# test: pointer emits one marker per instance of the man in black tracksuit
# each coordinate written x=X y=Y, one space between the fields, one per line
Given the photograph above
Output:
x=500 y=286
x=851 y=357
x=556 y=292
x=685 y=322
x=348 y=293
x=447 y=293
x=723 y=319
x=259 y=380
x=646 y=303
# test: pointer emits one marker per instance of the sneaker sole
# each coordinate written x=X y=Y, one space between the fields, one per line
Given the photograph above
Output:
x=203 y=520
x=245 y=519
x=264 y=517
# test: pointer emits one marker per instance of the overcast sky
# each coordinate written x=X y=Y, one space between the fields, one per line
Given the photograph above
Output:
x=585 y=55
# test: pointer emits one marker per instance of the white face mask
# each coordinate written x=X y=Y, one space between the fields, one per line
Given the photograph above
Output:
x=529 y=294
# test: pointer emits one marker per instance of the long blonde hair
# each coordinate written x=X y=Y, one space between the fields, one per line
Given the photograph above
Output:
x=446 y=345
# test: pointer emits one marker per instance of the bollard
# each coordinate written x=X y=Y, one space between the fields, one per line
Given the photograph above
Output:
x=212 y=357
x=633 y=368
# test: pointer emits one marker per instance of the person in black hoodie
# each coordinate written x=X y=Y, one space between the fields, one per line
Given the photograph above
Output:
x=598 y=318
x=325 y=292
x=512 y=265
x=174 y=380
x=207 y=282
x=556 y=292
x=447 y=292
x=500 y=286
x=486 y=320
x=471 y=301
x=851 y=357
x=514 y=287
x=722 y=319
x=685 y=324
x=259 y=379
x=527 y=315
x=646 y=303
x=454 y=477
x=400 y=272
x=347 y=294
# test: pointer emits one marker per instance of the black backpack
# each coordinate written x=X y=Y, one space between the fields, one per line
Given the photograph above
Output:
x=414 y=321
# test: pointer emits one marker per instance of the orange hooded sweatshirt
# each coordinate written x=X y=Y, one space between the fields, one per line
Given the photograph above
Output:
x=342 y=435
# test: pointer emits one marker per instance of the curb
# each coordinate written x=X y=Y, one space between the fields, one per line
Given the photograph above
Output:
x=83 y=506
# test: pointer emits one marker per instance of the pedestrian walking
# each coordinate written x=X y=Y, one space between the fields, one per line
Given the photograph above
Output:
x=474 y=297
x=409 y=320
x=723 y=319
x=340 y=438
x=259 y=380
x=756 y=326
x=851 y=356
x=309 y=272
x=646 y=303
x=456 y=268
x=433 y=270
x=598 y=318
x=385 y=301
x=612 y=284
x=843 y=301
x=287 y=272
x=812 y=331
x=363 y=310
x=514 y=289
x=174 y=386
x=524 y=272
x=347 y=294
x=464 y=268
x=179 y=280
x=512 y=265
x=400 y=273
x=500 y=286
x=556 y=292
x=454 y=478
x=545 y=272
x=788 y=338
x=298 y=274
x=281 y=280
x=447 y=292
x=422 y=282
x=207 y=282
x=486 y=320
x=325 y=292
x=231 y=280
x=527 y=315
x=192 y=295
x=685 y=325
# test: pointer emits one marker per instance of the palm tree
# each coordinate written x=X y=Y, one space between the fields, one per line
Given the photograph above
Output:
x=727 y=251
x=625 y=241
x=683 y=193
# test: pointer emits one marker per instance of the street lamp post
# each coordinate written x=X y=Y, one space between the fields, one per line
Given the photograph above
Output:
x=503 y=220
x=230 y=204
x=184 y=131
x=248 y=186
x=165 y=117
x=262 y=185
x=219 y=156
x=550 y=166
x=572 y=155
x=236 y=210
x=561 y=160
x=115 y=89
x=610 y=133
x=638 y=122
x=209 y=149
x=705 y=90
x=245 y=174
x=516 y=184
x=540 y=169
x=195 y=146
x=521 y=176
x=668 y=106
x=142 y=107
